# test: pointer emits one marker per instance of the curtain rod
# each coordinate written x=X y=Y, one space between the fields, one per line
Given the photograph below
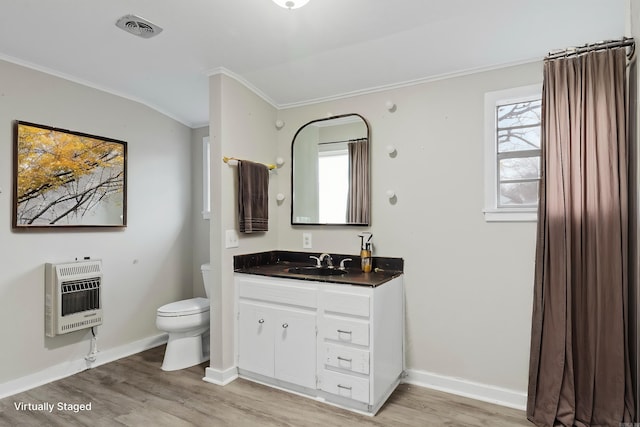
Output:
x=341 y=142
x=589 y=47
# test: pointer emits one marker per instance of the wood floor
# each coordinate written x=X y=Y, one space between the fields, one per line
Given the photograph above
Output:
x=135 y=392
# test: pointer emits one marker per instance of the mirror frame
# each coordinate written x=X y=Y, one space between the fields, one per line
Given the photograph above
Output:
x=359 y=224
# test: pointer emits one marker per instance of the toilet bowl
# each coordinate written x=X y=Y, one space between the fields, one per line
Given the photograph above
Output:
x=187 y=323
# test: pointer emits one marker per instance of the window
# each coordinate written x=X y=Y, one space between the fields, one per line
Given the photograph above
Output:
x=333 y=188
x=512 y=154
x=206 y=178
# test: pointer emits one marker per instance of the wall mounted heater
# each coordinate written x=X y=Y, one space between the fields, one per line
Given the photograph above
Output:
x=72 y=296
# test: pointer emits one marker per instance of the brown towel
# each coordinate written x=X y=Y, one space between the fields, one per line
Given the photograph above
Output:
x=253 y=196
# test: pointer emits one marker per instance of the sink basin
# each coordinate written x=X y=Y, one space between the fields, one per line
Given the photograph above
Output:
x=317 y=271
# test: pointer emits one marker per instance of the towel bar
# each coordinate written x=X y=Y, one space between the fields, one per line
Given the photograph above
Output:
x=232 y=161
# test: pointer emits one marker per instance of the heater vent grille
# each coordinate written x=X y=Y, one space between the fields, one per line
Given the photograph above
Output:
x=72 y=296
x=82 y=325
x=80 y=295
x=66 y=270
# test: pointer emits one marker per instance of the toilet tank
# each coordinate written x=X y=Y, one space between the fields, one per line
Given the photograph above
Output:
x=206 y=277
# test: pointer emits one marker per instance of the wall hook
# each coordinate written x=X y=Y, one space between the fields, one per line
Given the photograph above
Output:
x=391 y=150
x=390 y=105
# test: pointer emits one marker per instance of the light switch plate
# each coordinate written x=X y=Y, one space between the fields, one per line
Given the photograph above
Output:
x=231 y=239
x=306 y=240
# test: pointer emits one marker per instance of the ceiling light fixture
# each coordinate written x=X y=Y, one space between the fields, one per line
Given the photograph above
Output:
x=291 y=4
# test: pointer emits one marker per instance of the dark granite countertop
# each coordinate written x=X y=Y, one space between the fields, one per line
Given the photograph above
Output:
x=278 y=263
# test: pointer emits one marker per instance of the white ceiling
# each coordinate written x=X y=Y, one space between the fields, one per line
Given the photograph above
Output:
x=323 y=50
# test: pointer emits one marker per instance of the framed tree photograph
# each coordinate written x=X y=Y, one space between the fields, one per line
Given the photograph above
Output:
x=67 y=179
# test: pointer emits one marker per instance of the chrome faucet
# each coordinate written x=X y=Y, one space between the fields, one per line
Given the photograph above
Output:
x=342 y=263
x=329 y=259
x=318 y=263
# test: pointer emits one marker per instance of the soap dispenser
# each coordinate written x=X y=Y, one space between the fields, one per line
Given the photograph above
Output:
x=366 y=262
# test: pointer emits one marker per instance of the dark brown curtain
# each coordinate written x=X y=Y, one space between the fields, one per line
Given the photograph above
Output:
x=579 y=373
x=358 y=195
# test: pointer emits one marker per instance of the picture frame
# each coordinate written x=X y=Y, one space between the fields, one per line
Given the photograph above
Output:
x=66 y=179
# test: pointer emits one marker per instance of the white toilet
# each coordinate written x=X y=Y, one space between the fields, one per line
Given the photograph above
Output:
x=187 y=323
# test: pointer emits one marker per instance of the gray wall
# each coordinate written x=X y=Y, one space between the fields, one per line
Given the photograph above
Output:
x=146 y=265
x=200 y=239
x=241 y=126
x=468 y=282
x=305 y=203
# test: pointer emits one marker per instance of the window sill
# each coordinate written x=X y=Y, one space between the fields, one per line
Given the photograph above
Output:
x=511 y=215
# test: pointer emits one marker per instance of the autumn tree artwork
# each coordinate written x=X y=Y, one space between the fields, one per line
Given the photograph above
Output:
x=65 y=178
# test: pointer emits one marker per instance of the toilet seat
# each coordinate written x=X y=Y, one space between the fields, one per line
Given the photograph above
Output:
x=185 y=307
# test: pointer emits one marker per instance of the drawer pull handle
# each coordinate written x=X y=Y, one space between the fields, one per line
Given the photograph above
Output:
x=344 y=359
x=285 y=325
x=344 y=387
x=261 y=321
x=340 y=331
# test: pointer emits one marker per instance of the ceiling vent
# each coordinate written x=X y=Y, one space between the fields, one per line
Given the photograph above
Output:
x=138 y=26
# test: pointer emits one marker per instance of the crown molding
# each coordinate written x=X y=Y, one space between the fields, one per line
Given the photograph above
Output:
x=78 y=80
x=226 y=72
x=407 y=83
x=257 y=91
x=360 y=92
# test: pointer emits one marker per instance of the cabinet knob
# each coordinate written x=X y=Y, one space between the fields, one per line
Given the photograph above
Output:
x=261 y=321
x=285 y=325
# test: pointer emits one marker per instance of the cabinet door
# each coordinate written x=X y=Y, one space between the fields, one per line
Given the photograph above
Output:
x=255 y=335
x=295 y=348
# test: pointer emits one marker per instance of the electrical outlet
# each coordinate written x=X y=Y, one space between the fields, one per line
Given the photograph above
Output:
x=306 y=240
x=231 y=239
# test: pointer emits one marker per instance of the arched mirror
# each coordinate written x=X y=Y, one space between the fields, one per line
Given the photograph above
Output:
x=330 y=173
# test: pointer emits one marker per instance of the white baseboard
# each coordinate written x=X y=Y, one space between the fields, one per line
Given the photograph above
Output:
x=218 y=377
x=458 y=386
x=65 y=369
x=461 y=387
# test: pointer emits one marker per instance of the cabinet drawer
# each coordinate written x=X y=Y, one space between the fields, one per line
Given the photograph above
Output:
x=278 y=293
x=346 y=386
x=346 y=331
x=351 y=359
x=346 y=303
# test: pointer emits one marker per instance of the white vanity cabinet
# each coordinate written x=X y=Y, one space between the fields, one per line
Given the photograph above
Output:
x=278 y=343
x=339 y=343
x=277 y=329
x=360 y=343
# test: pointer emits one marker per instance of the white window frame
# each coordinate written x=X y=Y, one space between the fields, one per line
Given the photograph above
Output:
x=206 y=178
x=334 y=151
x=492 y=212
